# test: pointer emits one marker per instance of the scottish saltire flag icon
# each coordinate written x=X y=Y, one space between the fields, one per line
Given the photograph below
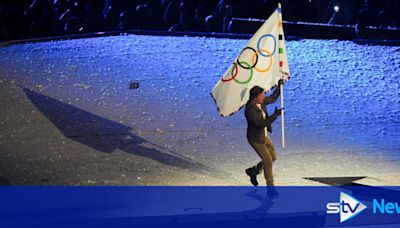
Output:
x=263 y=61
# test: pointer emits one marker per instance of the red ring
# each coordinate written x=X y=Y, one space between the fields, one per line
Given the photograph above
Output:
x=233 y=76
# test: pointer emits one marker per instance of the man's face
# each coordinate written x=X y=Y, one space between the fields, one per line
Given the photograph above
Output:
x=260 y=98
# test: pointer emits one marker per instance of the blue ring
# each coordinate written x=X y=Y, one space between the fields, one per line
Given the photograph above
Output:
x=258 y=45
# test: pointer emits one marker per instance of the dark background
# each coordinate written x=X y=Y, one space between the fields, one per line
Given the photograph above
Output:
x=42 y=18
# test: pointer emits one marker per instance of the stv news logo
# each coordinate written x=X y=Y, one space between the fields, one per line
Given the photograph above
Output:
x=347 y=208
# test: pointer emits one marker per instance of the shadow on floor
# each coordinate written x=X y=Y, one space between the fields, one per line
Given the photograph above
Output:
x=103 y=134
x=335 y=181
x=4 y=182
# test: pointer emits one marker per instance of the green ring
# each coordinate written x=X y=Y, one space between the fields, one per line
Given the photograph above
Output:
x=251 y=74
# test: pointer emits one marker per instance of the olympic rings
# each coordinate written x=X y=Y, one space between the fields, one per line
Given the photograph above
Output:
x=270 y=61
x=235 y=67
x=251 y=74
x=259 y=42
x=254 y=60
x=239 y=62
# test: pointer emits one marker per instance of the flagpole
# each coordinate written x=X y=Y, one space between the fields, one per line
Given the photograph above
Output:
x=283 y=119
x=281 y=86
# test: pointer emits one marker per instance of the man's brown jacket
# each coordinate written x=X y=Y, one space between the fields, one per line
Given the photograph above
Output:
x=255 y=122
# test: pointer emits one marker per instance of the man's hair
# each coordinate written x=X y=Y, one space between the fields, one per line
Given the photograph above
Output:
x=255 y=91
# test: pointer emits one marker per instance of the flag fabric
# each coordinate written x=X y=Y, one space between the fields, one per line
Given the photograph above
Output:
x=262 y=62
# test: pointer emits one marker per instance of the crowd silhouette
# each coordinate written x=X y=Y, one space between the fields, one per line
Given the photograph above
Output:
x=41 y=18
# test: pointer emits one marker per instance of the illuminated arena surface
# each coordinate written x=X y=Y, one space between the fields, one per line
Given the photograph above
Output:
x=68 y=116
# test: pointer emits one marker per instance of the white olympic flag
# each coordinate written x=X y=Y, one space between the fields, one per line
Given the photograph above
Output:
x=262 y=62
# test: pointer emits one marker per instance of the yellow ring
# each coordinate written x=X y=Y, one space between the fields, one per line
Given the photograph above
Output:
x=270 y=61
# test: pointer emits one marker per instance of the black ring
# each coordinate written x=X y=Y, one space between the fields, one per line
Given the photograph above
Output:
x=255 y=63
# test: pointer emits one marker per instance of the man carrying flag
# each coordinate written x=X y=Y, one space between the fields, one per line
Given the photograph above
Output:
x=258 y=125
x=261 y=66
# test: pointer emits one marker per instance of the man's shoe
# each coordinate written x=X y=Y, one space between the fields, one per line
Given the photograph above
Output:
x=252 y=172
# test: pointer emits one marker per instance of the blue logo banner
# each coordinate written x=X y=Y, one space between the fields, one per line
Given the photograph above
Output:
x=199 y=206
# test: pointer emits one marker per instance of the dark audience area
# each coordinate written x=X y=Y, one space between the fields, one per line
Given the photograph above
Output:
x=42 y=18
